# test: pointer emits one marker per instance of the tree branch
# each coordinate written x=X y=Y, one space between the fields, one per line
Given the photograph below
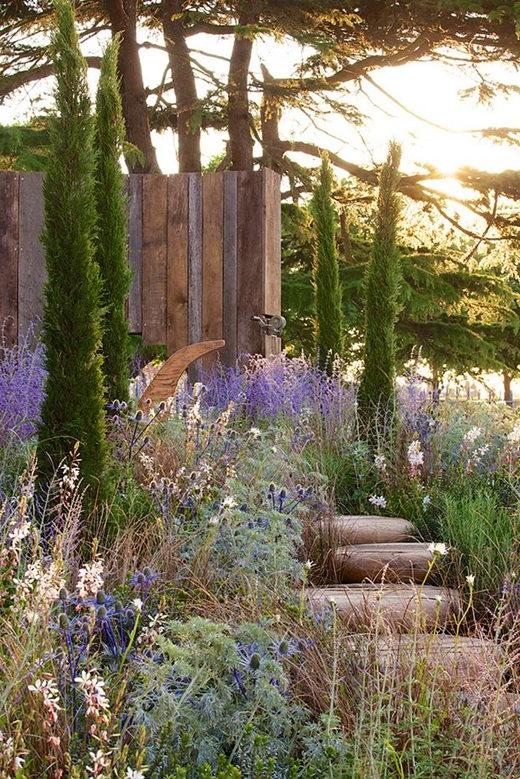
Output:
x=352 y=71
x=14 y=81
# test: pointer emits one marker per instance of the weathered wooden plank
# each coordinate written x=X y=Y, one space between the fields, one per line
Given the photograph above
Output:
x=32 y=272
x=9 y=190
x=272 y=272
x=177 y=276
x=134 y=184
x=230 y=260
x=212 y=262
x=250 y=252
x=155 y=222
x=195 y=258
x=194 y=267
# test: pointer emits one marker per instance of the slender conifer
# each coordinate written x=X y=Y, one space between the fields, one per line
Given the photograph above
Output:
x=111 y=248
x=376 y=390
x=73 y=409
x=326 y=280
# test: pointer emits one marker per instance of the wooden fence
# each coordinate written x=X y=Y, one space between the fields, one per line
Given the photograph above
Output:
x=204 y=252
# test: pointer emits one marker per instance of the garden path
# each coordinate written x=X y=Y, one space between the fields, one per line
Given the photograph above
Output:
x=385 y=583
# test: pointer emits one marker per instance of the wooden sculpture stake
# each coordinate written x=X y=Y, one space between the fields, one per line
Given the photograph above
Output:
x=164 y=384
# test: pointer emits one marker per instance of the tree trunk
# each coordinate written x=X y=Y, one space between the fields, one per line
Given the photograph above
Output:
x=123 y=21
x=508 y=392
x=270 y=112
x=239 y=127
x=185 y=88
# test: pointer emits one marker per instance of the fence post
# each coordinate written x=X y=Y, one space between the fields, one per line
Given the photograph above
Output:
x=9 y=225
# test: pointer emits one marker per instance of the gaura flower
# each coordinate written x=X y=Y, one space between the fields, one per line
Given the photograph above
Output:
x=380 y=462
x=379 y=501
x=472 y=435
x=438 y=549
x=415 y=454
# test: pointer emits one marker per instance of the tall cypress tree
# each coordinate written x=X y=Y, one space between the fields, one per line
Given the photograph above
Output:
x=73 y=409
x=111 y=253
x=326 y=281
x=376 y=390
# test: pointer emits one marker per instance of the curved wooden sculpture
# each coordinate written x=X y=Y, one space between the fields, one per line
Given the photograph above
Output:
x=164 y=384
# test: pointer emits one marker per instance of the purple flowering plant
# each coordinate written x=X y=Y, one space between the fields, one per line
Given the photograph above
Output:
x=22 y=377
x=266 y=388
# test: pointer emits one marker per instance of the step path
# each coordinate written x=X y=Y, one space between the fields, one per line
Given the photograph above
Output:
x=383 y=562
x=381 y=575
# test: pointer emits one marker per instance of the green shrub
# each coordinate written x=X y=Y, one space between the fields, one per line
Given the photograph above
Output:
x=376 y=390
x=223 y=691
x=348 y=472
x=481 y=533
x=111 y=253
x=73 y=409
x=326 y=282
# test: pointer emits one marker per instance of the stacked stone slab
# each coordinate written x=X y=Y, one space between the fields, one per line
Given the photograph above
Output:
x=380 y=569
x=381 y=574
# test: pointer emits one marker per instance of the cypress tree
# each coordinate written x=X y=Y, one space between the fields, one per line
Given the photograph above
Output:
x=73 y=409
x=328 y=328
x=111 y=247
x=376 y=390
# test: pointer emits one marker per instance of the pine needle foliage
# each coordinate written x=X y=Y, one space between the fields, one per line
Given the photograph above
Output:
x=326 y=279
x=111 y=253
x=73 y=409
x=376 y=390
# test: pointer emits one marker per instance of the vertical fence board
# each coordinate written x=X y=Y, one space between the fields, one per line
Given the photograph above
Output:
x=155 y=201
x=177 y=279
x=9 y=187
x=195 y=258
x=212 y=264
x=194 y=267
x=273 y=255
x=230 y=267
x=135 y=250
x=32 y=272
x=250 y=252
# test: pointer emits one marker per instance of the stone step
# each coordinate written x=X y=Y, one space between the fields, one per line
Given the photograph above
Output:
x=473 y=662
x=356 y=529
x=382 y=562
x=401 y=607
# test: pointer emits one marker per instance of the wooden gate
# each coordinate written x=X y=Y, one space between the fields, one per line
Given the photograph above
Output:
x=204 y=250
